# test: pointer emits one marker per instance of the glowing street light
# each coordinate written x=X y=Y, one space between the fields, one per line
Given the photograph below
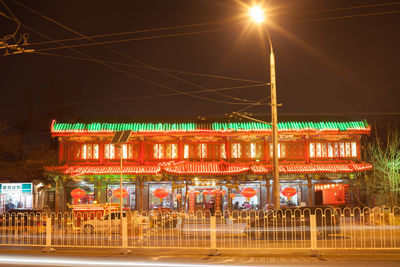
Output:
x=258 y=16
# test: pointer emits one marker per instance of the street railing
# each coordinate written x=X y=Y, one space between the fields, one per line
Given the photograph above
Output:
x=297 y=228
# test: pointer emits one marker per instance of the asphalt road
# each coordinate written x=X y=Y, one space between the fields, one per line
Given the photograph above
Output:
x=193 y=258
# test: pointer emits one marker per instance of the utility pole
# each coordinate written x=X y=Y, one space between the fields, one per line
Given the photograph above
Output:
x=274 y=118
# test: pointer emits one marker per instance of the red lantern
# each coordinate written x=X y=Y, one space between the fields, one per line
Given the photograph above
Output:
x=223 y=192
x=160 y=193
x=248 y=192
x=117 y=193
x=178 y=196
x=289 y=191
x=205 y=192
x=78 y=193
x=232 y=195
x=214 y=192
x=196 y=192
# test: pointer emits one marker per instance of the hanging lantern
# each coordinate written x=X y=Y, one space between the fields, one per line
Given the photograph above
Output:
x=232 y=195
x=117 y=193
x=214 y=192
x=248 y=192
x=196 y=192
x=178 y=196
x=223 y=192
x=78 y=193
x=160 y=193
x=289 y=192
x=205 y=192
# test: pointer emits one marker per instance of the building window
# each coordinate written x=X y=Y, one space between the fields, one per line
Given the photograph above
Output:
x=165 y=151
x=109 y=151
x=86 y=151
x=333 y=150
x=236 y=150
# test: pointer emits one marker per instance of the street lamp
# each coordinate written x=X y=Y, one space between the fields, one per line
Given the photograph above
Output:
x=258 y=16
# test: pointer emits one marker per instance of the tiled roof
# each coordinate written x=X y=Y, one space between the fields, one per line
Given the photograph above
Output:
x=58 y=128
x=213 y=168
x=313 y=168
x=85 y=170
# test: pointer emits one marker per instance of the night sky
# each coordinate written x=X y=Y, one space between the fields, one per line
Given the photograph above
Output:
x=334 y=61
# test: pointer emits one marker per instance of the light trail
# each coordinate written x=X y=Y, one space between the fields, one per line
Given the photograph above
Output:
x=45 y=260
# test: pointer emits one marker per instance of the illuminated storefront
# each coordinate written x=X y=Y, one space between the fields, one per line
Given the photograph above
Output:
x=16 y=196
x=209 y=166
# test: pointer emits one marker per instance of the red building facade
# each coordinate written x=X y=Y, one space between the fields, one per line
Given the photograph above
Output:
x=208 y=165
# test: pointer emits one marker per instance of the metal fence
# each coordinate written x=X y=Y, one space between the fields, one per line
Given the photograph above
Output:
x=297 y=228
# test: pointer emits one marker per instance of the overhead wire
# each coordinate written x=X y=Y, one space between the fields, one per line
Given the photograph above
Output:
x=131 y=98
x=137 y=31
x=348 y=8
x=143 y=67
x=127 y=40
x=349 y=16
x=130 y=57
x=15 y=19
x=130 y=74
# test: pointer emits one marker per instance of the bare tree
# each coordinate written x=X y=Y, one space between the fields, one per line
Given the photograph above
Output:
x=384 y=154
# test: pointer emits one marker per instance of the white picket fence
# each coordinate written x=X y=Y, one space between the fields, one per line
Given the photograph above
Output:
x=300 y=228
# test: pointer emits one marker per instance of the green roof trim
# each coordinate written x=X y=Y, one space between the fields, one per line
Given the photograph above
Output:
x=216 y=126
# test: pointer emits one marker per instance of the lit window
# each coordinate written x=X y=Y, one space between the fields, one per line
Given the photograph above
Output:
x=130 y=151
x=324 y=152
x=312 y=150
x=353 y=149
x=124 y=151
x=318 y=150
x=253 y=152
x=174 y=152
x=96 y=151
x=83 y=152
x=109 y=151
x=348 y=152
x=186 y=151
x=223 y=151
x=330 y=150
x=341 y=150
x=336 y=150
x=203 y=149
x=236 y=150
x=271 y=150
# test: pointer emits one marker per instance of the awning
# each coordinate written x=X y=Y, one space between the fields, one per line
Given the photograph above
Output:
x=212 y=168
x=205 y=168
x=80 y=170
x=313 y=168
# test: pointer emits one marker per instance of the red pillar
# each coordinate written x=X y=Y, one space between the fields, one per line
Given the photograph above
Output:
x=142 y=151
x=228 y=148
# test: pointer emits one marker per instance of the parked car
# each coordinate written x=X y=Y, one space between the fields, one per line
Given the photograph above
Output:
x=110 y=223
x=294 y=223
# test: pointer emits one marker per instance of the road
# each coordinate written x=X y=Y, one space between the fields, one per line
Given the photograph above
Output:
x=192 y=258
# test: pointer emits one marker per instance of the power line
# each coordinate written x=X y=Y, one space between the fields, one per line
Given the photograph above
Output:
x=348 y=8
x=130 y=74
x=128 y=40
x=350 y=16
x=137 y=31
x=133 y=98
x=143 y=67
x=132 y=58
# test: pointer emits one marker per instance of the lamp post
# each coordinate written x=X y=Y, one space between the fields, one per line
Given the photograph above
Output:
x=257 y=14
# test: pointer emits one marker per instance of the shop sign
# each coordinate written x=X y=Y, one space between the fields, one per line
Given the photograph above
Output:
x=109 y=193
x=16 y=188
